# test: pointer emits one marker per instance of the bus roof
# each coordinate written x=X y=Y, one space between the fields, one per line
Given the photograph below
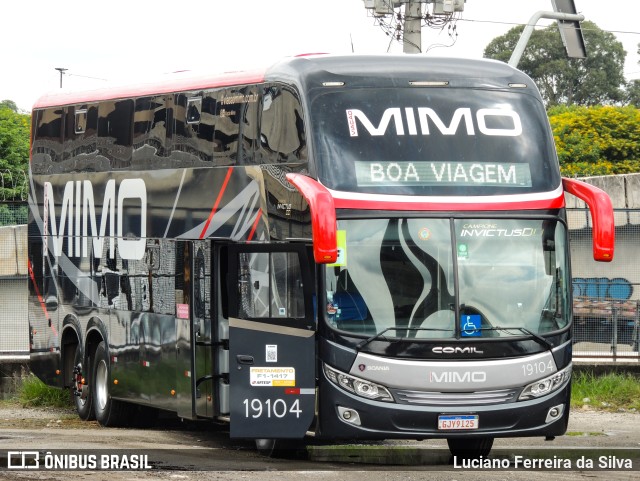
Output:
x=313 y=70
x=176 y=83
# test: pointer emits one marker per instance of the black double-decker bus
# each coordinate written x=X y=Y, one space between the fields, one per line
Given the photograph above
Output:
x=350 y=247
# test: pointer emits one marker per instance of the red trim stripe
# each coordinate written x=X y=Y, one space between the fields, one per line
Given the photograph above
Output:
x=40 y=298
x=176 y=83
x=556 y=203
x=255 y=225
x=217 y=203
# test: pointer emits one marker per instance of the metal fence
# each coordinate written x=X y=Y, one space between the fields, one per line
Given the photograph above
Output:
x=14 y=330
x=606 y=296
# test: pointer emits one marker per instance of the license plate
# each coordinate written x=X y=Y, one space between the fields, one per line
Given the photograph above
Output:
x=451 y=423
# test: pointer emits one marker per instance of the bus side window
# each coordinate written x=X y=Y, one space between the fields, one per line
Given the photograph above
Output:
x=47 y=142
x=71 y=136
x=206 y=127
x=89 y=144
x=186 y=145
x=194 y=108
x=227 y=128
x=248 y=127
x=270 y=286
x=79 y=138
x=282 y=133
x=80 y=122
x=115 y=131
x=149 y=131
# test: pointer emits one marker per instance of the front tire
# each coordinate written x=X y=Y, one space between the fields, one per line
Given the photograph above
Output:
x=282 y=448
x=470 y=448
x=108 y=411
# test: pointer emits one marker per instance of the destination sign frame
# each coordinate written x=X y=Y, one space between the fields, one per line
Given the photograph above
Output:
x=457 y=174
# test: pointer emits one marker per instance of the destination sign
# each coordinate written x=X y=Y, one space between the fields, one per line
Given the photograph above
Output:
x=495 y=174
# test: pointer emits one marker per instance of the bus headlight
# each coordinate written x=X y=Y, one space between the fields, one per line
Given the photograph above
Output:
x=546 y=385
x=355 y=385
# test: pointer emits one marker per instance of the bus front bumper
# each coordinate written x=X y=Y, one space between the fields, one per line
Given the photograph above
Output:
x=343 y=415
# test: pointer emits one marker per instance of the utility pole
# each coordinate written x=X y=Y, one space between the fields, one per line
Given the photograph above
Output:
x=412 y=38
x=384 y=11
x=62 y=71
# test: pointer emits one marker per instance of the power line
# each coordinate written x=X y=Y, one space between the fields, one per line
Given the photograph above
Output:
x=392 y=26
x=520 y=24
x=86 y=76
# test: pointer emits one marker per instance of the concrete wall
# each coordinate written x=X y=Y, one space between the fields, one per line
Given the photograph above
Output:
x=13 y=251
x=624 y=191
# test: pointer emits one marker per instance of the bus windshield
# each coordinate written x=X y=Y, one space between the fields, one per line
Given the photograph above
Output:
x=433 y=141
x=412 y=274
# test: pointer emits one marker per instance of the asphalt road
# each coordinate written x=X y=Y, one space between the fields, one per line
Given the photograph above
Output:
x=177 y=451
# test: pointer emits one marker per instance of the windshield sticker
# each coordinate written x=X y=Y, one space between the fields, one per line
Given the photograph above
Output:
x=463 y=251
x=470 y=325
x=495 y=174
x=424 y=234
x=494 y=230
x=272 y=376
x=341 y=240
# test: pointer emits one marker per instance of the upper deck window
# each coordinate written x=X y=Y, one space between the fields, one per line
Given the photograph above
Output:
x=80 y=121
x=433 y=142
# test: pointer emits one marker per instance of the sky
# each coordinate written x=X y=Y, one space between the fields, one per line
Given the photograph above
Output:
x=123 y=41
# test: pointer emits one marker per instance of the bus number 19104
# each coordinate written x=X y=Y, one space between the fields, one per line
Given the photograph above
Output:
x=277 y=408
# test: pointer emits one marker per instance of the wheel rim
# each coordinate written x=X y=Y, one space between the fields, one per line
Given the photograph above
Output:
x=101 y=384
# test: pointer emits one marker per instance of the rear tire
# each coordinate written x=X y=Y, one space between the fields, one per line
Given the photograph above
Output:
x=109 y=412
x=84 y=406
x=470 y=448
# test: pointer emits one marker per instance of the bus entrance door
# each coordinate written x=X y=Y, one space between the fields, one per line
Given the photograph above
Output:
x=271 y=342
x=193 y=330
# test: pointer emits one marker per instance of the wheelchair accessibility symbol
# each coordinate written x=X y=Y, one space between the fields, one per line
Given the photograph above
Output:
x=470 y=325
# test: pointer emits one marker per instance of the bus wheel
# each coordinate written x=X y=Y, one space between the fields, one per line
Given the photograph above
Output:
x=470 y=448
x=81 y=392
x=266 y=447
x=109 y=412
x=282 y=448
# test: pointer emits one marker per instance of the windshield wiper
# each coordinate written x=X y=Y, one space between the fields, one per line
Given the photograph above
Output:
x=539 y=339
x=397 y=339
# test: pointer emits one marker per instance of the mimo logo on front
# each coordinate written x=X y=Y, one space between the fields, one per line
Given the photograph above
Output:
x=78 y=220
x=411 y=117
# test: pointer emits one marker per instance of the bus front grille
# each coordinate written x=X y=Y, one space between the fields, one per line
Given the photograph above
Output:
x=428 y=398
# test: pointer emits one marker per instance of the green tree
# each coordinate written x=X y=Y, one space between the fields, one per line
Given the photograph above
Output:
x=632 y=93
x=598 y=79
x=10 y=104
x=14 y=153
x=600 y=140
